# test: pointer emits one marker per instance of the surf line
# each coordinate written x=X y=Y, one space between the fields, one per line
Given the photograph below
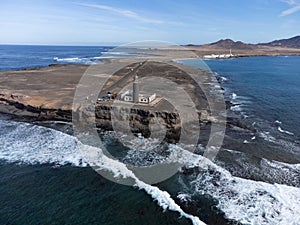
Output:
x=120 y=170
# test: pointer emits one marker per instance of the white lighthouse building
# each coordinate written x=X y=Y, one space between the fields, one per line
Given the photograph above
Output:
x=135 y=90
x=136 y=96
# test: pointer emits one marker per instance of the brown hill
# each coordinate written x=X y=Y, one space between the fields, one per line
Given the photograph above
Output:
x=293 y=42
x=230 y=44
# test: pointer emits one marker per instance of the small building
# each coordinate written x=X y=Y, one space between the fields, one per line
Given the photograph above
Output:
x=146 y=97
x=128 y=97
x=143 y=97
x=136 y=96
x=220 y=56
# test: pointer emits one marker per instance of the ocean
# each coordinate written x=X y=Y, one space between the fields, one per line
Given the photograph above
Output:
x=255 y=178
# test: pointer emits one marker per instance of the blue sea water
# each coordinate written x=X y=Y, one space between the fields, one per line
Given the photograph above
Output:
x=270 y=87
x=14 y=57
x=43 y=179
x=265 y=89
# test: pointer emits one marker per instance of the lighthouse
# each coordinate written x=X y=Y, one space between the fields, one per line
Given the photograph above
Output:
x=136 y=96
x=136 y=90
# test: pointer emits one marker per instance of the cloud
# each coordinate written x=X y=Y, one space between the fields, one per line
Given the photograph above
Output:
x=122 y=12
x=295 y=7
x=290 y=11
x=290 y=2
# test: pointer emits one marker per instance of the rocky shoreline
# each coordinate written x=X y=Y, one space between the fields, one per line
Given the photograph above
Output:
x=46 y=94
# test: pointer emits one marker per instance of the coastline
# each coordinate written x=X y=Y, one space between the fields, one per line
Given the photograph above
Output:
x=200 y=53
x=49 y=92
x=37 y=103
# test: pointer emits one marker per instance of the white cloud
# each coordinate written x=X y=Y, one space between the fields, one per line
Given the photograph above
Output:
x=295 y=7
x=291 y=10
x=290 y=2
x=123 y=12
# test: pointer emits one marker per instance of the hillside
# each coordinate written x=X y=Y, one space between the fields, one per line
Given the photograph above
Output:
x=228 y=43
x=289 y=46
x=293 y=42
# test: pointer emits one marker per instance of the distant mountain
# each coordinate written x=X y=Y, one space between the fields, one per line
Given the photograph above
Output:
x=293 y=42
x=230 y=44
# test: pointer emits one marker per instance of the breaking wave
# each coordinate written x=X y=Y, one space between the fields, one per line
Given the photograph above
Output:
x=235 y=108
x=267 y=136
x=246 y=201
x=284 y=131
x=251 y=202
x=234 y=95
x=76 y=60
x=31 y=144
x=96 y=59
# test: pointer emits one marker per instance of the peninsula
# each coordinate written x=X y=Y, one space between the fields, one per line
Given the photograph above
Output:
x=47 y=93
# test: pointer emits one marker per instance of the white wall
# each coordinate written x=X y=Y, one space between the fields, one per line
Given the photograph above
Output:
x=152 y=97
x=128 y=98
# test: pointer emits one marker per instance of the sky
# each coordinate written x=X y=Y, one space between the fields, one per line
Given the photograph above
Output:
x=89 y=22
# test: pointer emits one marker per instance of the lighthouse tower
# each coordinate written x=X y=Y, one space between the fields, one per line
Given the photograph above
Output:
x=136 y=90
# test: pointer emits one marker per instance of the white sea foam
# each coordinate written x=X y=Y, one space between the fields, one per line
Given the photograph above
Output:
x=119 y=169
x=288 y=146
x=235 y=108
x=223 y=78
x=77 y=60
x=56 y=122
x=184 y=197
x=280 y=172
x=246 y=201
x=285 y=131
x=165 y=201
x=238 y=102
x=31 y=144
x=251 y=202
x=279 y=122
x=282 y=165
x=220 y=77
x=267 y=137
x=231 y=151
x=74 y=59
x=114 y=53
x=233 y=95
x=248 y=141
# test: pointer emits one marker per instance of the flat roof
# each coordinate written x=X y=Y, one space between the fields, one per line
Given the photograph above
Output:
x=143 y=94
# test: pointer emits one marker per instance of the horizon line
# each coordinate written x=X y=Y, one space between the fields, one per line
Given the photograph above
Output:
x=113 y=44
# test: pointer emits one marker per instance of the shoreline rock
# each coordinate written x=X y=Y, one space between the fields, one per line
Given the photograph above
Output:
x=48 y=94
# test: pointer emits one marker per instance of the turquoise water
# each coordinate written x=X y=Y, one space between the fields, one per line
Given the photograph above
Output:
x=44 y=179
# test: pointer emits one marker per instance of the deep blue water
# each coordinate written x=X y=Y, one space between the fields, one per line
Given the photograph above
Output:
x=42 y=180
x=268 y=88
x=27 y=56
x=272 y=85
